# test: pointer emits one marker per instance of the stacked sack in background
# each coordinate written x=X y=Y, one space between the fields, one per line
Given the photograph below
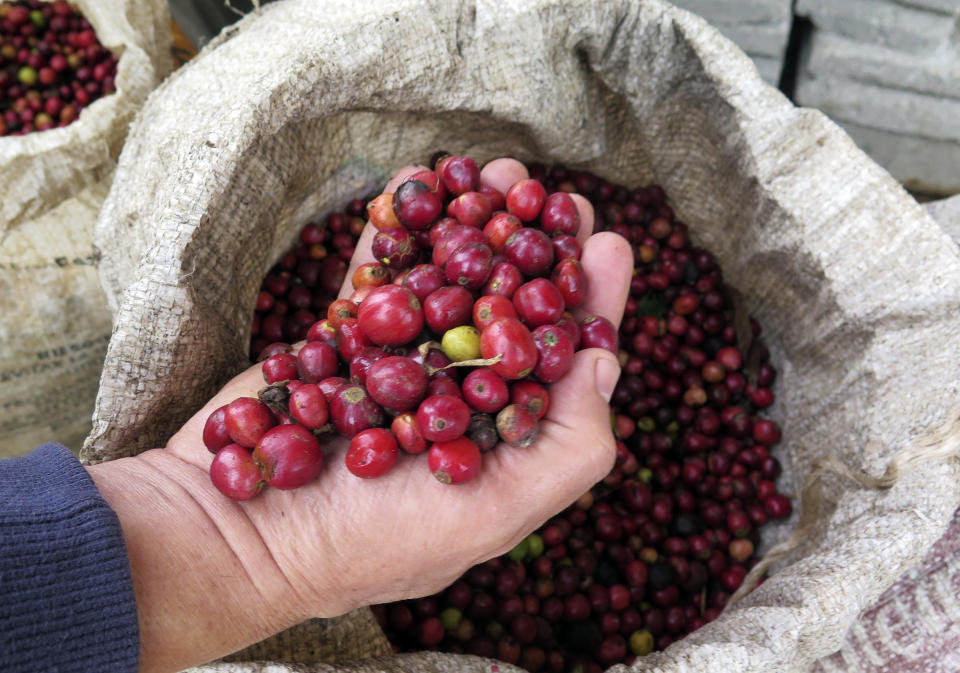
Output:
x=54 y=320
x=823 y=245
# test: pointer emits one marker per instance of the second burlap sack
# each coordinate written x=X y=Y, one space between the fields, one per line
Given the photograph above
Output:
x=306 y=105
x=54 y=318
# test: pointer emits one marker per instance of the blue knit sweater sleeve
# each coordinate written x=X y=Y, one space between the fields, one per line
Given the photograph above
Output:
x=66 y=595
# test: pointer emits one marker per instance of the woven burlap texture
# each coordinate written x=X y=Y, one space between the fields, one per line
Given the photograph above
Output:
x=305 y=105
x=54 y=318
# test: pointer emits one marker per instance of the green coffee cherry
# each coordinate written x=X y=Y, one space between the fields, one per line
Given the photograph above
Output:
x=519 y=552
x=641 y=642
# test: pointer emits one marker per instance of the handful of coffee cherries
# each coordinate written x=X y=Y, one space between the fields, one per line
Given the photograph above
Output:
x=447 y=344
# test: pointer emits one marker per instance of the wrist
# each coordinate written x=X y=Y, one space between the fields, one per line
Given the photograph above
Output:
x=205 y=582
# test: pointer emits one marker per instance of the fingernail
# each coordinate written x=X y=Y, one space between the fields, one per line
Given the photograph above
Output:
x=608 y=373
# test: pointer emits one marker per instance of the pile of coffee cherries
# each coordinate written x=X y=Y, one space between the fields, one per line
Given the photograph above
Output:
x=655 y=550
x=51 y=66
x=445 y=346
x=299 y=289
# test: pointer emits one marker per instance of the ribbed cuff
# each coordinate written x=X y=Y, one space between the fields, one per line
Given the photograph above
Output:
x=67 y=596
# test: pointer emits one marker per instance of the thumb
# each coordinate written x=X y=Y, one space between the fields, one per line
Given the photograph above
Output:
x=577 y=436
x=585 y=392
x=607 y=374
x=575 y=448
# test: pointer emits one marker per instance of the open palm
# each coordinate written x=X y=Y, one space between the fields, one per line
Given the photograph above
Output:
x=342 y=542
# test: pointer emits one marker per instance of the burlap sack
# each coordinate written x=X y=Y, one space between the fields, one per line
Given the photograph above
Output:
x=54 y=319
x=306 y=105
x=913 y=627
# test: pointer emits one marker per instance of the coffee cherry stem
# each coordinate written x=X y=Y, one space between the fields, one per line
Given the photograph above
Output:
x=276 y=396
x=428 y=346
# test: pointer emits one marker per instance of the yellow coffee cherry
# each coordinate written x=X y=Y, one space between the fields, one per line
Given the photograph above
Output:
x=461 y=343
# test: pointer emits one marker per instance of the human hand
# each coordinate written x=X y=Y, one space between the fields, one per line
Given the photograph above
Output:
x=342 y=542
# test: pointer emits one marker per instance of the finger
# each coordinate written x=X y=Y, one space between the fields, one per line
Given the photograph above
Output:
x=502 y=174
x=363 y=254
x=585 y=208
x=608 y=265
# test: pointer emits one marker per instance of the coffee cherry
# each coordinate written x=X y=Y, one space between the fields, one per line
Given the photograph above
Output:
x=565 y=247
x=570 y=281
x=288 y=456
x=485 y=390
x=439 y=228
x=560 y=215
x=612 y=649
x=235 y=474
x=778 y=506
x=447 y=308
x=395 y=248
x=404 y=427
x=391 y=316
x=215 y=434
x=517 y=426
x=532 y=396
x=555 y=351
x=490 y=307
x=504 y=280
x=452 y=239
x=316 y=361
x=340 y=310
x=471 y=209
x=246 y=420
x=455 y=462
x=525 y=199
x=372 y=453
x=279 y=367
x=444 y=386
x=308 y=406
x=397 y=383
x=482 y=431
x=766 y=432
x=362 y=361
x=598 y=332
x=329 y=387
x=352 y=410
x=530 y=251
x=443 y=418
x=538 y=302
x=380 y=213
x=415 y=205
x=423 y=280
x=570 y=326
x=431 y=632
x=641 y=642
x=459 y=174
x=461 y=343
x=500 y=228
x=512 y=342
x=371 y=274
x=469 y=265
